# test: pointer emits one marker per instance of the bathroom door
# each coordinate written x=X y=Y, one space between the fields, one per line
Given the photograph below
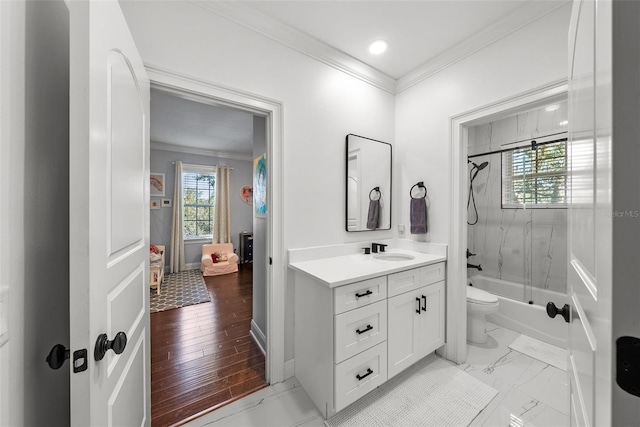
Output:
x=604 y=229
x=109 y=219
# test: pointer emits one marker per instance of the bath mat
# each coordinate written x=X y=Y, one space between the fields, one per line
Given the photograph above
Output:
x=431 y=393
x=542 y=351
x=179 y=290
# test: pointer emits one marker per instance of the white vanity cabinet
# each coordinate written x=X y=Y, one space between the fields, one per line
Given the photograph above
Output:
x=351 y=338
x=416 y=316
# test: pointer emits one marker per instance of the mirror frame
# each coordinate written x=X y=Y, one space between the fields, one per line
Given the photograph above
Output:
x=346 y=180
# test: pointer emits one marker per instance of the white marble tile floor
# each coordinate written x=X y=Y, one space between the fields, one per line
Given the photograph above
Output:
x=531 y=393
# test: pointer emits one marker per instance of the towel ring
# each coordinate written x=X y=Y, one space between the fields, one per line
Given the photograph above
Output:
x=379 y=193
x=419 y=185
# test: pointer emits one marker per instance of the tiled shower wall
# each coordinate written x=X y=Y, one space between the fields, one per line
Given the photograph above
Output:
x=523 y=246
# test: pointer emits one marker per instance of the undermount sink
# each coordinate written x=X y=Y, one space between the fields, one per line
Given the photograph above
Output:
x=393 y=256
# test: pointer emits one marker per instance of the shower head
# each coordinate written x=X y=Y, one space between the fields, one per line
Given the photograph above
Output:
x=481 y=166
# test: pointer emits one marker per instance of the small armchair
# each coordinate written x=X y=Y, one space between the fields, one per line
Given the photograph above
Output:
x=209 y=268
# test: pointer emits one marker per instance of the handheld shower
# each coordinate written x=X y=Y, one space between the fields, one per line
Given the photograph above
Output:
x=472 y=175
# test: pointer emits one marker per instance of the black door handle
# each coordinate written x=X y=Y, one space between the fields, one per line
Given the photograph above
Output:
x=424 y=303
x=553 y=311
x=57 y=356
x=418 y=309
x=103 y=345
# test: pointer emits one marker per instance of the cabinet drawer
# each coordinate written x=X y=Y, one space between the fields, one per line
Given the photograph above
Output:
x=359 y=330
x=409 y=280
x=359 y=375
x=359 y=294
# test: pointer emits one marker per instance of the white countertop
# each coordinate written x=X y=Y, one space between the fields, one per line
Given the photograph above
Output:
x=341 y=270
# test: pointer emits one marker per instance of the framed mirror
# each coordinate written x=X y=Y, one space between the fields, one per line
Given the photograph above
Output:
x=368 y=186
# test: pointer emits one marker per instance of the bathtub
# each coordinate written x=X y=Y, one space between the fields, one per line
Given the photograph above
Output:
x=528 y=319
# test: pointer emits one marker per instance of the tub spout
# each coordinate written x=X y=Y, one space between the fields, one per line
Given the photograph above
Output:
x=478 y=267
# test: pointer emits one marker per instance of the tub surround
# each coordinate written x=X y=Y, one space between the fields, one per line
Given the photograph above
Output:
x=498 y=237
x=361 y=320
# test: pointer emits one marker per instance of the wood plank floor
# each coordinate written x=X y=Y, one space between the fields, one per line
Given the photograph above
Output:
x=202 y=356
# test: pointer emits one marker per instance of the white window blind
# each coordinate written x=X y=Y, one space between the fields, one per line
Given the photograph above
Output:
x=198 y=201
x=535 y=177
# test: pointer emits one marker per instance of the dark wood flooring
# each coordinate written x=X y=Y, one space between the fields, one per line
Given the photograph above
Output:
x=202 y=356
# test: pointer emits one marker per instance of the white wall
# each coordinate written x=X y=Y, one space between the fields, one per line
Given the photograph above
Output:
x=321 y=106
x=531 y=57
x=35 y=227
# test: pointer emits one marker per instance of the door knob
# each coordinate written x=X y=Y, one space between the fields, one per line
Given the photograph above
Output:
x=103 y=345
x=57 y=356
x=553 y=311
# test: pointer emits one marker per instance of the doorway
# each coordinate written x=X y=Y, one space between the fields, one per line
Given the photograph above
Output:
x=206 y=355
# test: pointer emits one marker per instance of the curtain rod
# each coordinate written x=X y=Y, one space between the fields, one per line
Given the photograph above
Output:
x=215 y=166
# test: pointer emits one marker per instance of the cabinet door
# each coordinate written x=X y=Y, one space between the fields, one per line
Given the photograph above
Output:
x=431 y=330
x=404 y=314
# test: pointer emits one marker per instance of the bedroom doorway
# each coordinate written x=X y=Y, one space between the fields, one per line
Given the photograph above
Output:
x=205 y=354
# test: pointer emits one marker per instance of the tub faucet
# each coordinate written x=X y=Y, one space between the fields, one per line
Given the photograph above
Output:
x=479 y=267
x=469 y=254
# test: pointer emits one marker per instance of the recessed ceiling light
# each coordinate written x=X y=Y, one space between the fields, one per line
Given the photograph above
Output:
x=553 y=107
x=378 y=46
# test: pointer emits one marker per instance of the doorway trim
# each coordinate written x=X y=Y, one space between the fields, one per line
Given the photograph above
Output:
x=456 y=349
x=209 y=92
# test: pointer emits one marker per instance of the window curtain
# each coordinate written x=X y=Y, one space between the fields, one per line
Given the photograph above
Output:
x=176 y=262
x=222 y=216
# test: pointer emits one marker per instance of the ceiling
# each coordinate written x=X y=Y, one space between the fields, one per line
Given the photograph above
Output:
x=423 y=35
x=185 y=123
x=416 y=31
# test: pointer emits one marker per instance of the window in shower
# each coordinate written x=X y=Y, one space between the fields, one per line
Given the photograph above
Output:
x=535 y=177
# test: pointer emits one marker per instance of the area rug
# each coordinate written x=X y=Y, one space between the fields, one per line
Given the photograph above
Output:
x=431 y=393
x=179 y=290
x=540 y=350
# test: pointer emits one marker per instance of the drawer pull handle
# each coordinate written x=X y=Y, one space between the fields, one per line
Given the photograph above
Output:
x=368 y=328
x=424 y=303
x=361 y=377
x=418 y=301
x=365 y=294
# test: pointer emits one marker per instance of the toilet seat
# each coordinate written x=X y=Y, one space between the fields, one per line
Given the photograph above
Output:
x=478 y=296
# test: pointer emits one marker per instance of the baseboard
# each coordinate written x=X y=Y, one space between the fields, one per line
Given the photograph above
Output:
x=289 y=368
x=192 y=266
x=258 y=336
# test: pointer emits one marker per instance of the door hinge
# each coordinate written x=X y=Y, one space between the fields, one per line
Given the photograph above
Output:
x=628 y=364
x=270 y=261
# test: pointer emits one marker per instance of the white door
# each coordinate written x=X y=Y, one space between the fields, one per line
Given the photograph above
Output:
x=604 y=106
x=589 y=270
x=109 y=217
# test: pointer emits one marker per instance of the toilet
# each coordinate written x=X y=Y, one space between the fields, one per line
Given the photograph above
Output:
x=479 y=304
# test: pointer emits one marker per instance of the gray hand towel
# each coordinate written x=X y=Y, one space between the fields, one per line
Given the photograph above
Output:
x=374 y=213
x=418 y=216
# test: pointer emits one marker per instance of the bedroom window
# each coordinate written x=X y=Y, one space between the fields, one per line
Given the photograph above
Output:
x=536 y=177
x=198 y=201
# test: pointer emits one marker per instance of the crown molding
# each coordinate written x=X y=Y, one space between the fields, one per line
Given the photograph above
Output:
x=310 y=46
x=164 y=146
x=513 y=22
x=299 y=41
